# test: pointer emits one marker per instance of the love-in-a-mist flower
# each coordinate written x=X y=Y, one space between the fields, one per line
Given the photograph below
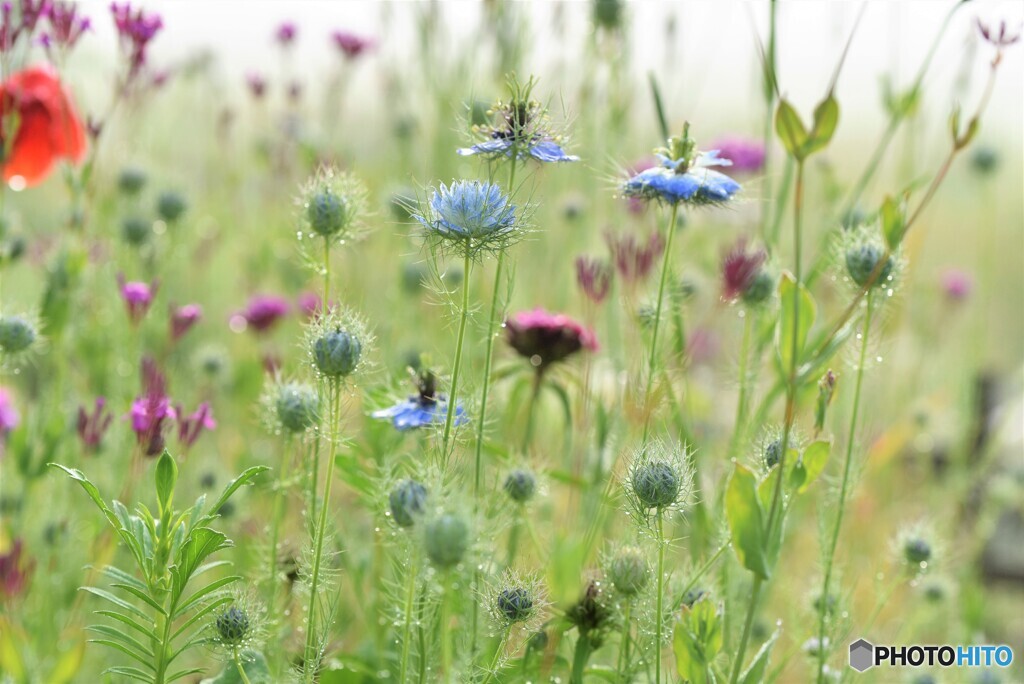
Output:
x=182 y=318
x=746 y=154
x=136 y=28
x=193 y=425
x=426 y=407
x=137 y=296
x=263 y=312
x=594 y=278
x=521 y=127
x=470 y=217
x=15 y=570
x=634 y=259
x=683 y=176
x=351 y=45
x=39 y=126
x=744 y=275
x=546 y=338
x=92 y=426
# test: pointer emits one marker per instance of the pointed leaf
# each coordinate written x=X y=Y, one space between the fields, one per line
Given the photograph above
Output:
x=117 y=601
x=131 y=672
x=746 y=524
x=754 y=674
x=826 y=118
x=166 y=478
x=893 y=222
x=790 y=129
x=811 y=464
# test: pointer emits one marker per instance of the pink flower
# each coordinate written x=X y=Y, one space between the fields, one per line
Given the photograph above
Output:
x=92 y=427
x=135 y=30
x=746 y=154
x=739 y=269
x=257 y=85
x=957 y=284
x=594 y=277
x=15 y=572
x=546 y=338
x=150 y=411
x=183 y=318
x=264 y=311
x=351 y=45
x=286 y=33
x=9 y=418
x=310 y=305
x=137 y=296
x=632 y=259
x=189 y=428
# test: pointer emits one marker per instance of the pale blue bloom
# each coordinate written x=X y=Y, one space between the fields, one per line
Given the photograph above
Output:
x=698 y=184
x=470 y=212
x=418 y=411
x=543 y=150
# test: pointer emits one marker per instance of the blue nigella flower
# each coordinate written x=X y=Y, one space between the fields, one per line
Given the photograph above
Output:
x=423 y=409
x=543 y=150
x=474 y=214
x=674 y=181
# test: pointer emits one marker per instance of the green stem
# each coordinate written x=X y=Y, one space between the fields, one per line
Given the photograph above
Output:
x=741 y=402
x=769 y=102
x=275 y=522
x=652 y=360
x=410 y=603
x=700 y=573
x=755 y=593
x=497 y=655
x=453 y=396
x=579 y=659
x=492 y=322
x=830 y=551
x=327 y=276
x=241 y=670
x=659 y=616
x=309 y=666
x=447 y=634
x=421 y=636
x=538 y=379
x=623 y=662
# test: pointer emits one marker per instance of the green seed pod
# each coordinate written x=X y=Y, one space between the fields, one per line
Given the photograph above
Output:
x=232 y=626
x=446 y=539
x=336 y=353
x=297 y=406
x=656 y=484
x=407 y=502
x=326 y=212
x=628 y=571
x=16 y=334
x=514 y=604
x=521 y=485
x=861 y=261
x=170 y=206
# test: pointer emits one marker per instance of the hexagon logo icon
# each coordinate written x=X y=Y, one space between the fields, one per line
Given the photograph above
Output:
x=862 y=655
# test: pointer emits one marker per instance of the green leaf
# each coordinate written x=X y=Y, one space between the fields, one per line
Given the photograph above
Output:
x=90 y=489
x=826 y=118
x=754 y=674
x=746 y=523
x=790 y=129
x=166 y=478
x=811 y=465
x=117 y=601
x=199 y=615
x=129 y=622
x=117 y=646
x=894 y=224
x=697 y=640
x=196 y=598
x=255 y=666
x=128 y=641
x=131 y=672
x=795 y=316
x=198 y=547
x=233 y=486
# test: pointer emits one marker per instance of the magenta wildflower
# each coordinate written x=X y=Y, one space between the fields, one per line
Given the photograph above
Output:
x=957 y=284
x=66 y=25
x=150 y=411
x=352 y=46
x=739 y=269
x=190 y=427
x=632 y=259
x=135 y=29
x=28 y=16
x=257 y=85
x=183 y=318
x=9 y=418
x=264 y=311
x=137 y=296
x=746 y=154
x=15 y=571
x=594 y=277
x=546 y=338
x=92 y=426
x=311 y=305
x=286 y=33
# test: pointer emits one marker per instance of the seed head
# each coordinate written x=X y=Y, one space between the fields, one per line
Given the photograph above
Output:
x=296 y=406
x=232 y=626
x=407 y=502
x=628 y=571
x=336 y=353
x=520 y=485
x=446 y=538
x=16 y=334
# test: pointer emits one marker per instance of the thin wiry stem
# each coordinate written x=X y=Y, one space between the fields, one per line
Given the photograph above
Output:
x=659 y=618
x=453 y=396
x=652 y=359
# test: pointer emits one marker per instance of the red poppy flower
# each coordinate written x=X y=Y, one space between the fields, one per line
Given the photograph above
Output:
x=42 y=124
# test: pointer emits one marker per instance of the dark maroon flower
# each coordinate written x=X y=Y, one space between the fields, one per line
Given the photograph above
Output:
x=190 y=427
x=594 y=278
x=746 y=155
x=135 y=30
x=264 y=311
x=183 y=318
x=634 y=261
x=286 y=33
x=739 y=268
x=546 y=338
x=15 y=571
x=351 y=45
x=1000 y=40
x=137 y=296
x=92 y=426
x=257 y=85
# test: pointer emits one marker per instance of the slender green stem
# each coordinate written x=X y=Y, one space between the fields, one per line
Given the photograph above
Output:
x=410 y=604
x=275 y=523
x=326 y=275
x=623 y=662
x=513 y=542
x=830 y=550
x=497 y=655
x=769 y=102
x=453 y=396
x=741 y=402
x=421 y=636
x=737 y=664
x=652 y=360
x=659 y=616
x=309 y=665
x=538 y=379
x=703 y=570
x=445 y=631
x=579 y=658
x=241 y=670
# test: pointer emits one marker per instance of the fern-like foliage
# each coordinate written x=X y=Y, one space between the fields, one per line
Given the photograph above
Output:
x=157 y=612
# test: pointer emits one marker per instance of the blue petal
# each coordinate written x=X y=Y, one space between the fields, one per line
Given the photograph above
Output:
x=486 y=147
x=715 y=185
x=548 y=151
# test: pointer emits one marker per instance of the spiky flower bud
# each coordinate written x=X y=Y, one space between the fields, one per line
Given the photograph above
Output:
x=170 y=206
x=16 y=334
x=326 y=212
x=232 y=626
x=336 y=353
x=514 y=604
x=656 y=484
x=916 y=550
x=659 y=478
x=772 y=453
x=332 y=203
x=629 y=571
x=296 y=406
x=520 y=485
x=446 y=538
x=760 y=287
x=863 y=259
x=407 y=502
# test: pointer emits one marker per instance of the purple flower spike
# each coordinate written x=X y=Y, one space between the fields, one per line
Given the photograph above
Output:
x=183 y=318
x=92 y=426
x=351 y=45
x=189 y=428
x=264 y=311
x=135 y=29
x=137 y=296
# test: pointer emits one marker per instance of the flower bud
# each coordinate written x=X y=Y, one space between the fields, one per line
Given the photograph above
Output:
x=760 y=288
x=407 y=502
x=520 y=485
x=296 y=406
x=336 y=353
x=131 y=180
x=326 y=212
x=772 y=453
x=514 y=604
x=232 y=626
x=863 y=259
x=446 y=540
x=917 y=550
x=16 y=334
x=136 y=231
x=656 y=484
x=170 y=206
x=629 y=572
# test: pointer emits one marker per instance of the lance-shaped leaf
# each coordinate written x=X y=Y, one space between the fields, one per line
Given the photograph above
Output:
x=790 y=129
x=746 y=521
x=796 y=316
